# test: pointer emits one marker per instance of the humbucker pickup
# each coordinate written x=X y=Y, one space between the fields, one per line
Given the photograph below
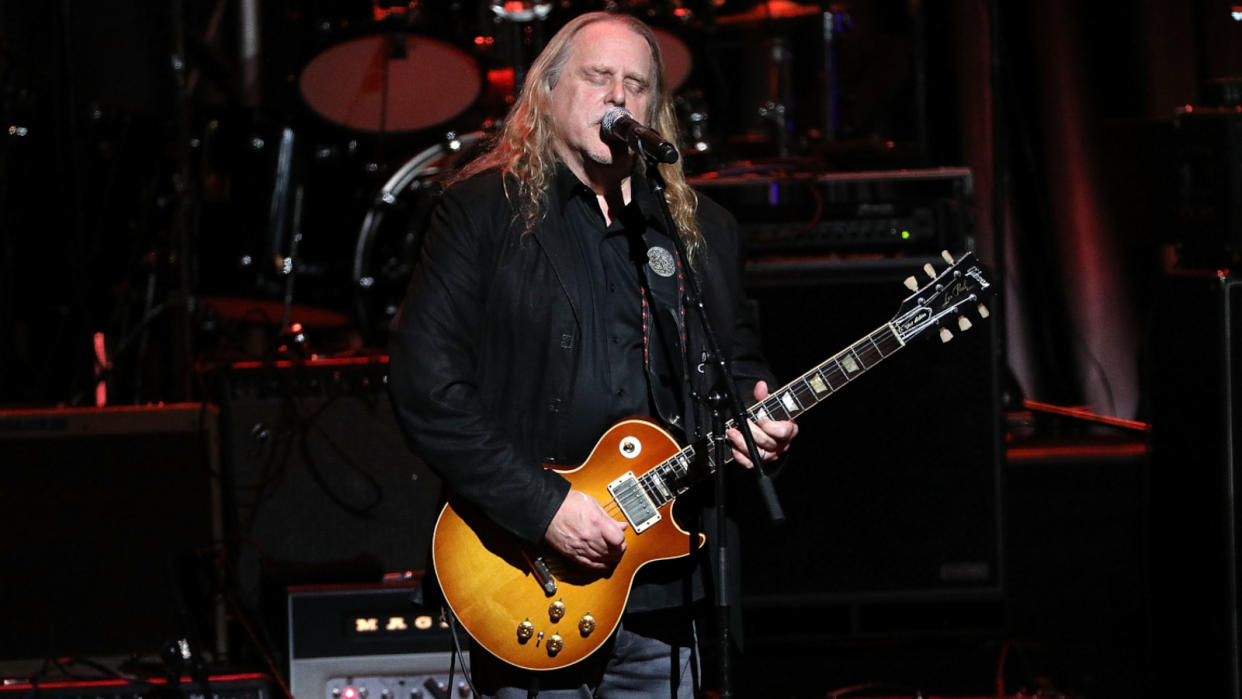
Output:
x=634 y=503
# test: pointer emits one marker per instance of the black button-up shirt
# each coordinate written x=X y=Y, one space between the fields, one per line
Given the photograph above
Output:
x=613 y=382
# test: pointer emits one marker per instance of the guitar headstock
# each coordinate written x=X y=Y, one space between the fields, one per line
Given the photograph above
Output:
x=950 y=294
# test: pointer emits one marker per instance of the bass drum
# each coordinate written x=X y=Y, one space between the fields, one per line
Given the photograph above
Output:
x=391 y=234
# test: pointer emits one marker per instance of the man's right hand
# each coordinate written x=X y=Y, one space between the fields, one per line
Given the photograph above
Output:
x=582 y=532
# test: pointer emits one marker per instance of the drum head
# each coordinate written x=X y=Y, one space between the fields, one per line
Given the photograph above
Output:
x=391 y=235
x=677 y=58
x=391 y=82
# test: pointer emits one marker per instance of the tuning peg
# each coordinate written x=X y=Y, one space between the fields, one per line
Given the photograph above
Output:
x=931 y=271
x=944 y=255
x=983 y=311
x=963 y=323
x=911 y=283
x=945 y=335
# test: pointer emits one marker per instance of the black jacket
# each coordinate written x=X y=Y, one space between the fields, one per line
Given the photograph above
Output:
x=483 y=352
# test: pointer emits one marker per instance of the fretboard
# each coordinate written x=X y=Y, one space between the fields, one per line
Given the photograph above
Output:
x=675 y=475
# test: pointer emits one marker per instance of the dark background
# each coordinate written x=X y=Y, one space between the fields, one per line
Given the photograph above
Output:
x=1103 y=144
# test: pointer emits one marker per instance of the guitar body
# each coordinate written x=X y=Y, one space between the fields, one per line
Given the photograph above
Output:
x=490 y=580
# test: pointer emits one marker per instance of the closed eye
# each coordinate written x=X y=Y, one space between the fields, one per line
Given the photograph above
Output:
x=636 y=86
x=598 y=76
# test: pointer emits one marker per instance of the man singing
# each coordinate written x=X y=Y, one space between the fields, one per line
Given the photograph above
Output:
x=547 y=304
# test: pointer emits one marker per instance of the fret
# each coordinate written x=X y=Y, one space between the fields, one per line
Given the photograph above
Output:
x=888 y=341
x=835 y=375
x=684 y=461
x=657 y=489
x=675 y=474
x=771 y=407
x=677 y=465
x=804 y=393
x=766 y=409
x=710 y=460
x=851 y=363
x=868 y=354
x=757 y=413
x=644 y=482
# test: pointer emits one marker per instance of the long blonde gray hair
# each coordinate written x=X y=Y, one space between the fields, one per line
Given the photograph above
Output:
x=524 y=149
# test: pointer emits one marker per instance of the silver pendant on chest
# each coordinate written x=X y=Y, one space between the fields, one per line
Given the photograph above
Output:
x=662 y=261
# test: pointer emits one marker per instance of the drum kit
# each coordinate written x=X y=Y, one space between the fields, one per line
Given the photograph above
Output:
x=418 y=86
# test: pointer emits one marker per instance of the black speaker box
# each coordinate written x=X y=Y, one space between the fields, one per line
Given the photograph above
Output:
x=320 y=487
x=1194 y=393
x=107 y=518
x=1076 y=539
x=891 y=488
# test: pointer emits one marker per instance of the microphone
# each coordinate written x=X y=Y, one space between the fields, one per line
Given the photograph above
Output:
x=620 y=126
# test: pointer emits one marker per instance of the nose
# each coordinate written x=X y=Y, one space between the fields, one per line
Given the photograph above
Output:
x=616 y=94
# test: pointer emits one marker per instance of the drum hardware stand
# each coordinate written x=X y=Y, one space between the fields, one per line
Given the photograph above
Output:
x=834 y=20
x=290 y=269
x=288 y=265
x=184 y=212
x=516 y=16
x=918 y=15
x=780 y=95
x=402 y=19
x=278 y=209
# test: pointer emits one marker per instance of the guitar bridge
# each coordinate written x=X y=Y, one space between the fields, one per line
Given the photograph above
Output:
x=638 y=509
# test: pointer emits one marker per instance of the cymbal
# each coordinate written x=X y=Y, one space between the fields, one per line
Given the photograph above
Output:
x=255 y=311
x=768 y=11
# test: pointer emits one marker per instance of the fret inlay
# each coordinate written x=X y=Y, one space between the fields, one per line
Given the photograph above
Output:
x=817 y=384
x=850 y=364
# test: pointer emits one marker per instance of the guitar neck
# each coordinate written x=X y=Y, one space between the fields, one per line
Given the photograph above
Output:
x=808 y=390
x=674 y=476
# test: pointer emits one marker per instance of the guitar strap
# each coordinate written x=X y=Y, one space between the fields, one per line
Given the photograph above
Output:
x=664 y=332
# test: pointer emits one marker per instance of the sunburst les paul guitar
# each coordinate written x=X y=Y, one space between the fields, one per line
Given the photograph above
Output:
x=534 y=610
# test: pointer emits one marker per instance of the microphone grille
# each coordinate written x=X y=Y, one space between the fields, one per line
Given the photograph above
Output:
x=611 y=117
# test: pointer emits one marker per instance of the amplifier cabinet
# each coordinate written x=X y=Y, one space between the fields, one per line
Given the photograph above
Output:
x=371 y=639
x=110 y=515
x=1195 y=387
x=319 y=487
x=893 y=482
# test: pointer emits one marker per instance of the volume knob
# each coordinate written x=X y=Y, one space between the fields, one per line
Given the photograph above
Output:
x=586 y=625
x=556 y=610
x=555 y=644
x=525 y=631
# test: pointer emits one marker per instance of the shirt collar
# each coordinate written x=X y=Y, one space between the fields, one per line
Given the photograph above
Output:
x=567 y=186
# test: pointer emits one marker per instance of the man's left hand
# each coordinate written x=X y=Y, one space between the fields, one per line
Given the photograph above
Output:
x=772 y=437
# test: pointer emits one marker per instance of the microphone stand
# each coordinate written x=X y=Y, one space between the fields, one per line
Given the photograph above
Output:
x=717 y=402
